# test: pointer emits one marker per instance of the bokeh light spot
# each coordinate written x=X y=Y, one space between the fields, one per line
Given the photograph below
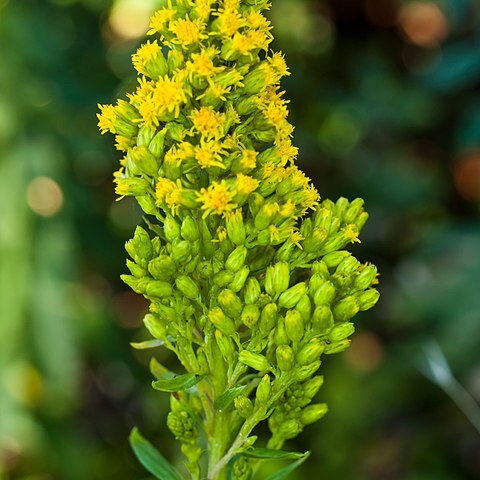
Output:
x=467 y=176
x=129 y=18
x=44 y=196
x=423 y=23
x=365 y=353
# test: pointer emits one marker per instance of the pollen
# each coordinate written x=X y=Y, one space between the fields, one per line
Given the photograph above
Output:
x=216 y=199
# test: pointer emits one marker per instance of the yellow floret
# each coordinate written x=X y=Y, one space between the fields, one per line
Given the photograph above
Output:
x=216 y=199
x=246 y=184
x=186 y=31
x=144 y=55
x=107 y=118
x=208 y=123
x=207 y=154
x=160 y=19
x=249 y=159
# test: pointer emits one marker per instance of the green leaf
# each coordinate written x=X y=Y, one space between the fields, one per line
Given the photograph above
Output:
x=147 y=344
x=269 y=453
x=227 y=397
x=159 y=371
x=177 y=384
x=151 y=458
x=285 y=472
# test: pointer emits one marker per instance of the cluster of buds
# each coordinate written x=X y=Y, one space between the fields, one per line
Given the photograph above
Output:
x=245 y=268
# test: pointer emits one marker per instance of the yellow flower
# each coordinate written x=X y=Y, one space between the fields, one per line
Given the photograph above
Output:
x=276 y=113
x=249 y=159
x=208 y=153
x=216 y=199
x=164 y=188
x=107 y=118
x=147 y=53
x=207 y=122
x=277 y=61
x=123 y=143
x=246 y=184
x=160 y=18
x=202 y=63
x=228 y=22
x=256 y=20
x=203 y=8
x=351 y=233
x=288 y=209
x=187 y=31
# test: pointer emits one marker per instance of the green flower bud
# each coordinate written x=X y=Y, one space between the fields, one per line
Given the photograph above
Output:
x=135 y=269
x=266 y=215
x=158 y=288
x=313 y=413
x=315 y=240
x=325 y=294
x=205 y=270
x=367 y=299
x=315 y=283
x=281 y=277
x=182 y=425
x=320 y=267
x=190 y=230
x=361 y=220
x=304 y=306
x=175 y=131
x=145 y=135
x=157 y=145
x=255 y=202
x=337 y=347
x=341 y=332
x=366 y=277
x=333 y=260
x=171 y=228
x=156 y=327
x=346 y=309
x=242 y=469
x=230 y=303
x=312 y=386
x=254 y=360
x=305 y=372
x=223 y=278
x=280 y=335
x=132 y=282
x=322 y=319
x=353 y=211
x=310 y=352
x=348 y=265
x=264 y=390
x=147 y=204
x=294 y=326
x=243 y=405
x=250 y=315
x=289 y=298
x=268 y=318
x=140 y=247
x=188 y=287
x=223 y=323
x=142 y=161
x=252 y=291
x=225 y=345
x=239 y=279
x=289 y=429
x=341 y=206
x=181 y=252
x=285 y=358
x=167 y=314
x=162 y=267
x=236 y=259
x=235 y=227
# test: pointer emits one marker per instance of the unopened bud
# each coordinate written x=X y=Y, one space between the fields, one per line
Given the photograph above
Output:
x=281 y=277
x=290 y=429
x=188 y=287
x=158 y=289
x=325 y=294
x=236 y=259
x=140 y=246
x=305 y=372
x=250 y=315
x=320 y=267
x=337 y=347
x=280 y=336
x=322 y=319
x=254 y=360
x=368 y=298
x=181 y=252
x=223 y=323
x=171 y=228
x=223 y=278
x=341 y=332
x=142 y=161
x=252 y=291
x=294 y=326
x=235 y=227
x=289 y=298
x=353 y=211
x=346 y=309
x=135 y=269
x=315 y=240
x=239 y=279
x=311 y=352
x=312 y=386
x=156 y=327
x=333 y=260
x=285 y=358
x=230 y=303
x=225 y=345
x=263 y=390
x=366 y=277
x=243 y=405
x=268 y=318
x=162 y=267
x=348 y=265
x=157 y=145
x=190 y=230
x=313 y=413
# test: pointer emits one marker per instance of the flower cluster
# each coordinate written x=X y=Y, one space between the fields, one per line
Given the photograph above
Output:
x=244 y=266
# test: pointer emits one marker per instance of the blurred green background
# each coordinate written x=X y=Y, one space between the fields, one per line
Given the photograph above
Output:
x=386 y=103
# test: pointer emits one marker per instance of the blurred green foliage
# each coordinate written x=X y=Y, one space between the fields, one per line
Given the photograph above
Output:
x=385 y=100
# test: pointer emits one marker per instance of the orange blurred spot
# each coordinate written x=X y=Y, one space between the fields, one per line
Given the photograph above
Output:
x=423 y=23
x=365 y=352
x=467 y=176
x=44 y=196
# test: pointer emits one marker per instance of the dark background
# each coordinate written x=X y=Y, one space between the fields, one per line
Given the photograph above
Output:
x=385 y=97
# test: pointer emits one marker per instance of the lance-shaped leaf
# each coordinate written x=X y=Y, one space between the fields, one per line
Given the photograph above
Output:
x=177 y=384
x=286 y=471
x=269 y=453
x=227 y=397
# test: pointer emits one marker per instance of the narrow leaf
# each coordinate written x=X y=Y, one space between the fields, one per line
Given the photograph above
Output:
x=147 y=344
x=151 y=458
x=177 y=384
x=227 y=397
x=159 y=371
x=285 y=472
x=269 y=453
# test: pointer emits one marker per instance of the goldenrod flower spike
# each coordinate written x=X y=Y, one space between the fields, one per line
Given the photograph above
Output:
x=244 y=266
